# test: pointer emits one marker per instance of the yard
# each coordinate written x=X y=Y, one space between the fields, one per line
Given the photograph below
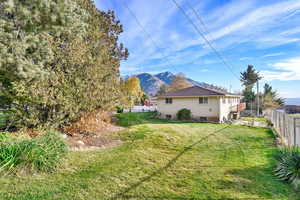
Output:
x=161 y=160
x=255 y=119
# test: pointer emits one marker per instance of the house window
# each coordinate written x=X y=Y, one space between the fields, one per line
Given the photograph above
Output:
x=169 y=100
x=203 y=119
x=203 y=100
x=168 y=116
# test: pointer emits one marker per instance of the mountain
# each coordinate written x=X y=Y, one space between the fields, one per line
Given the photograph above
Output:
x=151 y=83
x=166 y=77
x=292 y=101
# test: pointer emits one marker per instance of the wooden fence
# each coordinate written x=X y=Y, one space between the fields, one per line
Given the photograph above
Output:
x=287 y=126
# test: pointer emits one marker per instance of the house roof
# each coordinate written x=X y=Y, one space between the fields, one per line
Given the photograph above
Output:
x=196 y=91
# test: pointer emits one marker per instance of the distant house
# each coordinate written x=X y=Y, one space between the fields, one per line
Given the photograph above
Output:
x=152 y=101
x=205 y=104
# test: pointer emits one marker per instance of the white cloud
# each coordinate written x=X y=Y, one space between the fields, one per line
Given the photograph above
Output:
x=241 y=21
x=261 y=17
x=272 y=55
x=285 y=71
x=246 y=58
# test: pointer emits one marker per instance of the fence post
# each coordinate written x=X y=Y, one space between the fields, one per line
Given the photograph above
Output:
x=295 y=131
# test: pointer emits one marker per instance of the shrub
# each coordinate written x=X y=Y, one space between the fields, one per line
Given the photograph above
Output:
x=43 y=153
x=120 y=109
x=288 y=166
x=184 y=114
x=61 y=67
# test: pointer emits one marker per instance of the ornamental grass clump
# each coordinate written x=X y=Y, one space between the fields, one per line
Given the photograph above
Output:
x=41 y=154
x=288 y=166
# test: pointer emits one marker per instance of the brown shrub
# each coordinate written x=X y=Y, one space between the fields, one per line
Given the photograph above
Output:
x=90 y=123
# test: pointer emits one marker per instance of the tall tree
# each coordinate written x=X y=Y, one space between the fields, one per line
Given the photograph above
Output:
x=271 y=99
x=132 y=92
x=248 y=79
x=71 y=55
x=179 y=81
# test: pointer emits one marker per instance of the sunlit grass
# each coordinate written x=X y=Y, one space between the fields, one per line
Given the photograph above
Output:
x=256 y=119
x=160 y=160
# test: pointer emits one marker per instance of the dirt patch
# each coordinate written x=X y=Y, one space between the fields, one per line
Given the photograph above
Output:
x=93 y=130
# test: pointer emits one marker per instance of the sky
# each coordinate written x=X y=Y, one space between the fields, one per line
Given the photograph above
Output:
x=265 y=34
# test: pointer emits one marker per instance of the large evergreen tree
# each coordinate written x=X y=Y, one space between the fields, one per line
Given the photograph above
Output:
x=67 y=63
x=271 y=99
x=248 y=79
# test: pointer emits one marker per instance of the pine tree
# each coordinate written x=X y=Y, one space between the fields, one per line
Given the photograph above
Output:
x=67 y=63
x=248 y=79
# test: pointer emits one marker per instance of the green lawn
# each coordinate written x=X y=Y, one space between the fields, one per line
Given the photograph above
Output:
x=256 y=119
x=161 y=160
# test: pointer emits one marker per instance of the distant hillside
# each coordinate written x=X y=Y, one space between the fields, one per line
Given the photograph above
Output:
x=151 y=83
x=292 y=101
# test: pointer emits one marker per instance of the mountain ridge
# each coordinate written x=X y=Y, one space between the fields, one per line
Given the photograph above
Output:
x=151 y=83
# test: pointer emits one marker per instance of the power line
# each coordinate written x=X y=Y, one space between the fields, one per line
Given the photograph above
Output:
x=205 y=39
x=147 y=34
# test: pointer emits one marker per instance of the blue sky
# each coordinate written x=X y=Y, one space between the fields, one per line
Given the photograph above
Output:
x=265 y=34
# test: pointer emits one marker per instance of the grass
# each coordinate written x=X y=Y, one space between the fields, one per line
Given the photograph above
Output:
x=161 y=160
x=256 y=119
x=43 y=153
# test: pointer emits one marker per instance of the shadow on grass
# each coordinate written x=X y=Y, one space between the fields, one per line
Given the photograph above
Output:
x=123 y=194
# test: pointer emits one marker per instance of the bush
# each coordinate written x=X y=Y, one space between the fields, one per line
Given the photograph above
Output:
x=120 y=109
x=43 y=153
x=184 y=114
x=288 y=166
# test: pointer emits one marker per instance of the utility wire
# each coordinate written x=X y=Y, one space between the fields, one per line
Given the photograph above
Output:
x=147 y=34
x=205 y=39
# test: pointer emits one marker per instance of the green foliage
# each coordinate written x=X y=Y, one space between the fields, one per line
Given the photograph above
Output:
x=43 y=153
x=288 y=166
x=271 y=99
x=184 y=114
x=120 y=109
x=67 y=63
x=250 y=77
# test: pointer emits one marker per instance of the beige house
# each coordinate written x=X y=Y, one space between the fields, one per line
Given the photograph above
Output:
x=205 y=104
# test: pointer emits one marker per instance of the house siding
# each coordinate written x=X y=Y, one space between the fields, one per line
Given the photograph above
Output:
x=216 y=110
x=227 y=107
x=210 y=110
